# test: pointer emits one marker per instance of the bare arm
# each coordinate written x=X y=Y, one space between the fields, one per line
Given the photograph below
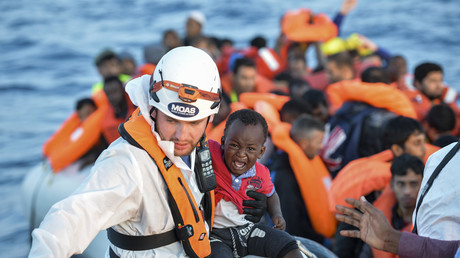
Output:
x=274 y=209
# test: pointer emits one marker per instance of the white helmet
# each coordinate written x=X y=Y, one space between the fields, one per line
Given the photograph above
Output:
x=185 y=85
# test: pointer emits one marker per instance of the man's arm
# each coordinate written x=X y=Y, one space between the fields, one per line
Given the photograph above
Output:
x=375 y=230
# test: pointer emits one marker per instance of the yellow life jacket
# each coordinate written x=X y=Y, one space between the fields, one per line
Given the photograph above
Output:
x=189 y=222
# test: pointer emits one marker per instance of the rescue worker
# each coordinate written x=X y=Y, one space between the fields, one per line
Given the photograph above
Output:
x=145 y=187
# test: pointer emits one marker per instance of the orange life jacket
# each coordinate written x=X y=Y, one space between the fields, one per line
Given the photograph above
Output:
x=267 y=61
x=185 y=210
x=313 y=180
x=379 y=95
x=365 y=175
x=385 y=203
x=74 y=138
x=215 y=133
x=262 y=84
x=422 y=104
x=250 y=98
x=110 y=123
x=303 y=26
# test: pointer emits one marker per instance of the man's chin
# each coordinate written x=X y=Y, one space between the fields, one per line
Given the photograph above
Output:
x=182 y=153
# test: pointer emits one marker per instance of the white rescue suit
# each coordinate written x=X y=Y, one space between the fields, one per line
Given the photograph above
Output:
x=124 y=190
x=439 y=213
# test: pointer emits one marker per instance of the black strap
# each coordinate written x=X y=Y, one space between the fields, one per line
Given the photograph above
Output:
x=112 y=254
x=140 y=243
x=433 y=176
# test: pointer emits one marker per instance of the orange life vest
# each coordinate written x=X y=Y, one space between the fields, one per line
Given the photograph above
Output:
x=110 y=123
x=385 y=203
x=379 y=95
x=74 y=138
x=262 y=84
x=250 y=98
x=303 y=26
x=185 y=210
x=267 y=61
x=365 y=175
x=313 y=179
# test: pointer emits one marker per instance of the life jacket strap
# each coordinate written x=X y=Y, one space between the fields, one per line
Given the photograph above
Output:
x=141 y=243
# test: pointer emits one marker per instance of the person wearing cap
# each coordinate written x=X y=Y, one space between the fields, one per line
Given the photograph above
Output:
x=151 y=188
x=193 y=27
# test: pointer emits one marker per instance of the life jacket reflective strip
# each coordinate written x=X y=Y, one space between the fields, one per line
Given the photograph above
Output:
x=183 y=206
x=302 y=26
x=250 y=98
x=379 y=95
x=124 y=78
x=74 y=138
x=110 y=123
x=385 y=203
x=313 y=180
x=365 y=175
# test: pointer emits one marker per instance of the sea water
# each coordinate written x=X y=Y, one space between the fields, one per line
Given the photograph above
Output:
x=47 y=49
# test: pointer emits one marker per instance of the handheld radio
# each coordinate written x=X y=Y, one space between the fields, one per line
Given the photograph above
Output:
x=203 y=167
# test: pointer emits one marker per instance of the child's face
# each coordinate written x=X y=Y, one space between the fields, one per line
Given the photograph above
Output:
x=242 y=145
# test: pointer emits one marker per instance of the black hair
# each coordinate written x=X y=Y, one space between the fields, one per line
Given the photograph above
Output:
x=243 y=61
x=259 y=42
x=315 y=98
x=404 y=162
x=303 y=126
x=422 y=70
x=296 y=107
x=105 y=55
x=342 y=59
x=375 y=74
x=85 y=101
x=399 y=129
x=113 y=79
x=441 y=117
x=445 y=140
x=247 y=117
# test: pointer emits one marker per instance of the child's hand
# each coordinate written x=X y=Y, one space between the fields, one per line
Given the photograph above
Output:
x=279 y=223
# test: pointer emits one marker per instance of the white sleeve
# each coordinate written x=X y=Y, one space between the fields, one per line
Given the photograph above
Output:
x=110 y=195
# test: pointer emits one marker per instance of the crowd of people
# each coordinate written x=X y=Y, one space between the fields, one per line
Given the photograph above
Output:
x=293 y=140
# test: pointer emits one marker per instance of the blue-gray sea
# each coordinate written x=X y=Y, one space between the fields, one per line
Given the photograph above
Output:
x=47 y=49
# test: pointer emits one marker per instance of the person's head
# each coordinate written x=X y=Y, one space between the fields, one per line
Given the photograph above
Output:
x=114 y=90
x=428 y=79
x=184 y=95
x=298 y=87
x=170 y=39
x=405 y=135
x=85 y=107
x=319 y=107
x=128 y=63
x=444 y=140
x=375 y=74
x=243 y=141
x=297 y=65
x=202 y=42
x=258 y=42
x=396 y=68
x=440 y=120
x=308 y=133
x=294 y=108
x=108 y=63
x=244 y=75
x=194 y=24
x=406 y=177
x=339 y=67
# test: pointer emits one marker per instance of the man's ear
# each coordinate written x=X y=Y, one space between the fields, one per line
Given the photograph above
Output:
x=396 y=150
